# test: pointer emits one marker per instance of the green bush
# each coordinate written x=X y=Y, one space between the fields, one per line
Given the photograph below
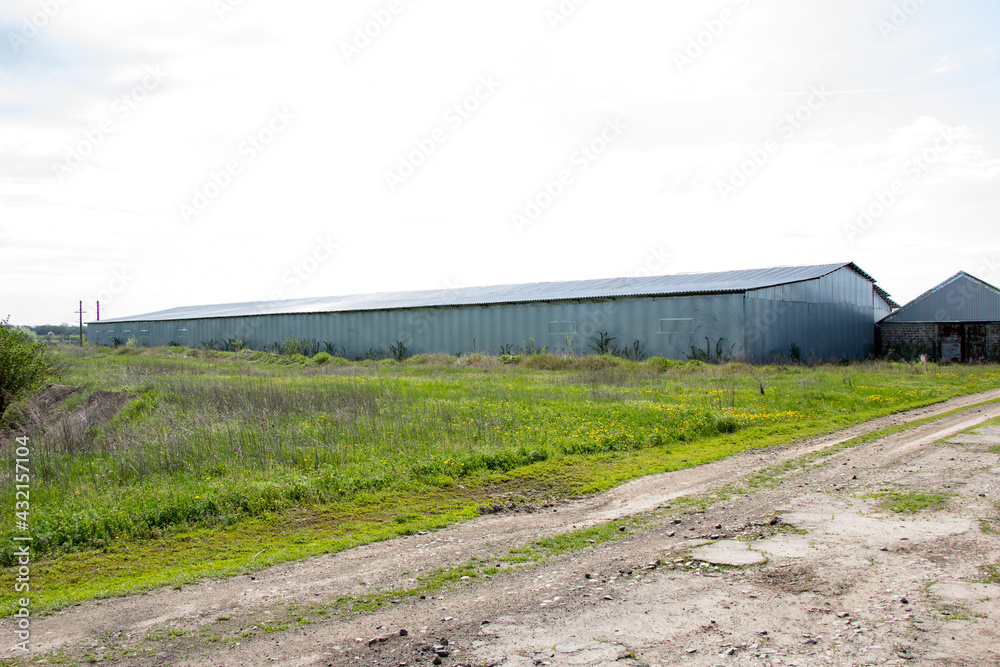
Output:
x=727 y=424
x=321 y=358
x=23 y=366
x=661 y=364
x=435 y=359
x=477 y=360
x=549 y=362
x=596 y=362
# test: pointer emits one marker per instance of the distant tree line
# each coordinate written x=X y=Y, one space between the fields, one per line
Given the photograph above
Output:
x=57 y=329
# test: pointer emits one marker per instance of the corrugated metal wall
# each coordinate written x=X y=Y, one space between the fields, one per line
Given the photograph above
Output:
x=686 y=321
x=961 y=298
x=882 y=307
x=831 y=317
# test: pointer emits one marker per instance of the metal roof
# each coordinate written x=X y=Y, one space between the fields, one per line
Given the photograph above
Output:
x=885 y=297
x=961 y=298
x=671 y=285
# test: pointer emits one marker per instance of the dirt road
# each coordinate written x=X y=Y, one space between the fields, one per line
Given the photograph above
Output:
x=798 y=564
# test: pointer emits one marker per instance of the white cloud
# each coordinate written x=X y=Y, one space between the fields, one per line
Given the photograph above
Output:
x=947 y=63
x=324 y=174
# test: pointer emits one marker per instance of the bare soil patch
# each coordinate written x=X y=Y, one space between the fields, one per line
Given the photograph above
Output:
x=45 y=414
x=101 y=406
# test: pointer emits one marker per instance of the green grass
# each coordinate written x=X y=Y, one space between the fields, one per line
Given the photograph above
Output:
x=993 y=422
x=228 y=462
x=911 y=502
x=268 y=619
x=990 y=574
x=574 y=540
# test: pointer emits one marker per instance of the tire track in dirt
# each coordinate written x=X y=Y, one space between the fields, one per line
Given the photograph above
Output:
x=393 y=563
x=821 y=584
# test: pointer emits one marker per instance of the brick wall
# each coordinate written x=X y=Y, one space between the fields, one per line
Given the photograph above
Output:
x=910 y=339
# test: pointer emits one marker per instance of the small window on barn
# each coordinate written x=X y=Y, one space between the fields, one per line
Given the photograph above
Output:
x=677 y=325
x=562 y=327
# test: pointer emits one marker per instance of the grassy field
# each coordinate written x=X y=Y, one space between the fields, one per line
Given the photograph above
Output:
x=228 y=462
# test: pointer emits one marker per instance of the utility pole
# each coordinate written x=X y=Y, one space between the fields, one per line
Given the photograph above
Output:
x=98 y=311
x=81 y=311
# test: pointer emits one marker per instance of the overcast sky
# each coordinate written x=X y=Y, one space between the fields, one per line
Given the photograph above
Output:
x=160 y=153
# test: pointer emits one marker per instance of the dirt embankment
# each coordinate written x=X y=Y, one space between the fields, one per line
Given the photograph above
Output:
x=803 y=564
x=45 y=415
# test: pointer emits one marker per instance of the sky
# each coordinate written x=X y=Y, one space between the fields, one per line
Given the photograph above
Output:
x=163 y=153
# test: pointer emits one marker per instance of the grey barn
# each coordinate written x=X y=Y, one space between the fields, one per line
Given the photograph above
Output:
x=957 y=321
x=828 y=312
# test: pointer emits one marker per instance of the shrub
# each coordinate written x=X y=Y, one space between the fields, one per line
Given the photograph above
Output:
x=720 y=355
x=23 y=366
x=548 y=362
x=602 y=343
x=435 y=359
x=398 y=351
x=477 y=360
x=661 y=364
x=293 y=346
x=321 y=358
x=598 y=362
x=727 y=424
x=633 y=353
x=235 y=344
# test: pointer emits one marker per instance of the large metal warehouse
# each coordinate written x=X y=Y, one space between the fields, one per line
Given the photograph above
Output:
x=828 y=312
x=957 y=321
